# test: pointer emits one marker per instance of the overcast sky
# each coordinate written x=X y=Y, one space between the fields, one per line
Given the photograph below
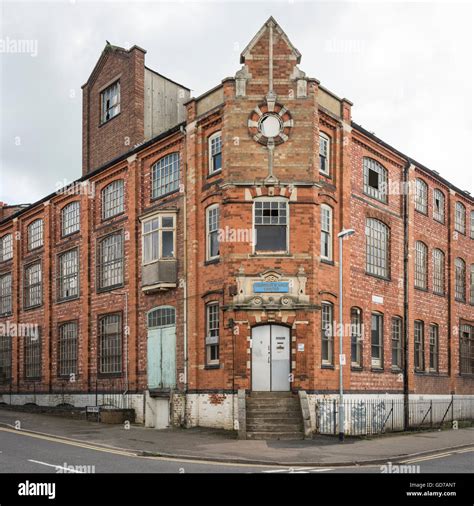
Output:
x=407 y=67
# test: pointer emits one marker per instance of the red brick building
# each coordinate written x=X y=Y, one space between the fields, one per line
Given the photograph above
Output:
x=197 y=256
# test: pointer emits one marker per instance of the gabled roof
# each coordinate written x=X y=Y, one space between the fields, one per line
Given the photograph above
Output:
x=270 y=22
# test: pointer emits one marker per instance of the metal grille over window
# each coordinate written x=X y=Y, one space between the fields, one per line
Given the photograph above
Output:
x=35 y=234
x=419 y=342
x=111 y=261
x=32 y=354
x=110 y=339
x=212 y=232
x=438 y=205
x=434 y=337
x=5 y=359
x=5 y=294
x=112 y=199
x=460 y=279
x=68 y=275
x=68 y=349
x=70 y=218
x=377 y=248
x=324 y=150
x=271 y=221
x=460 y=218
x=326 y=232
x=162 y=317
x=421 y=265
x=110 y=102
x=466 y=349
x=356 y=337
x=33 y=285
x=165 y=175
x=438 y=272
x=397 y=342
x=327 y=335
x=375 y=180
x=212 y=334
x=6 y=247
x=215 y=149
x=377 y=341
x=421 y=196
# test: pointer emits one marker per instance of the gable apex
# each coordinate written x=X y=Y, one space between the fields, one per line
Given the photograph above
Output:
x=270 y=22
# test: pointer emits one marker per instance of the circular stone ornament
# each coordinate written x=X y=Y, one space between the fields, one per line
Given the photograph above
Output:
x=270 y=126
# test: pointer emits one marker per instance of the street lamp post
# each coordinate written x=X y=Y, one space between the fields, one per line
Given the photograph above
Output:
x=344 y=233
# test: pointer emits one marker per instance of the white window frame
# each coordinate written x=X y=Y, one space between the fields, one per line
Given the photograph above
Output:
x=377 y=363
x=111 y=92
x=7 y=239
x=35 y=234
x=159 y=231
x=165 y=175
x=376 y=193
x=210 y=144
x=210 y=210
x=113 y=199
x=439 y=281
x=421 y=265
x=377 y=246
x=254 y=229
x=325 y=150
x=326 y=219
x=209 y=345
x=329 y=361
x=70 y=218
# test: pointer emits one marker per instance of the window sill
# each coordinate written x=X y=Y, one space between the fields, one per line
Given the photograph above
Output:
x=382 y=278
x=29 y=308
x=385 y=202
x=459 y=300
x=441 y=222
x=421 y=289
x=265 y=254
x=396 y=370
x=212 y=261
x=420 y=372
x=377 y=369
x=327 y=262
x=68 y=299
x=439 y=294
x=327 y=366
x=215 y=173
x=110 y=288
x=107 y=220
x=68 y=236
x=108 y=375
x=357 y=368
x=172 y=192
x=424 y=213
x=107 y=121
x=212 y=366
x=5 y=262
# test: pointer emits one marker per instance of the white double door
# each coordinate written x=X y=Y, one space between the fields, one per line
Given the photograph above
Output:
x=271 y=358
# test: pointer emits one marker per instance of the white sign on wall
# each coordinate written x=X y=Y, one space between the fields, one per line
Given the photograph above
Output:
x=377 y=299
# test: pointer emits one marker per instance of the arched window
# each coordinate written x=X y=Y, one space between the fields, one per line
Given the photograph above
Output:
x=460 y=279
x=421 y=265
x=460 y=218
x=215 y=152
x=35 y=234
x=324 y=153
x=70 y=216
x=421 y=196
x=375 y=179
x=438 y=205
x=112 y=199
x=165 y=175
x=377 y=248
x=438 y=272
x=162 y=316
x=326 y=232
x=6 y=247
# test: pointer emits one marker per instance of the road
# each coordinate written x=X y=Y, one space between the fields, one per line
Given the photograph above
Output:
x=22 y=452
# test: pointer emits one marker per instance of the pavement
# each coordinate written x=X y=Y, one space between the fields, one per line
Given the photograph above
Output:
x=223 y=446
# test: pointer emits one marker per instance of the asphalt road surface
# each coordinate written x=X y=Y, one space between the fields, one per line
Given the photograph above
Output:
x=22 y=452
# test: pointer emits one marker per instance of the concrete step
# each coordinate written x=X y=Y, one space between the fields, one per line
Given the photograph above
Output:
x=273 y=402
x=272 y=427
x=275 y=418
x=273 y=409
x=275 y=435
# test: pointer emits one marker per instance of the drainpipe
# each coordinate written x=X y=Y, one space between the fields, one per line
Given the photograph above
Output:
x=406 y=403
x=185 y=287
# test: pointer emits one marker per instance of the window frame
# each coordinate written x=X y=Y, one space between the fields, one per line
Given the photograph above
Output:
x=212 y=312
x=102 y=98
x=119 y=358
x=383 y=230
x=368 y=164
x=357 y=337
x=8 y=296
x=27 y=286
x=66 y=217
x=472 y=224
x=466 y=349
x=433 y=365
x=327 y=155
x=100 y=263
x=471 y=285
x=279 y=200
x=211 y=209
x=396 y=332
x=159 y=232
x=71 y=342
x=419 y=351
x=8 y=236
x=421 y=269
x=62 y=277
x=211 y=161
x=163 y=183
x=438 y=278
x=327 y=334
x=6 y=359
x=458 y=296
x=32 y=345
x=377 y=363
x=117 y=186
x=38 y=241
x=440 y=217
x=421 y=196
x=327 y=234
x=460 y=217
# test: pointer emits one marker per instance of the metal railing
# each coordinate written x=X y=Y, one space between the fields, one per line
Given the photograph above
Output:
x=376 y=416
